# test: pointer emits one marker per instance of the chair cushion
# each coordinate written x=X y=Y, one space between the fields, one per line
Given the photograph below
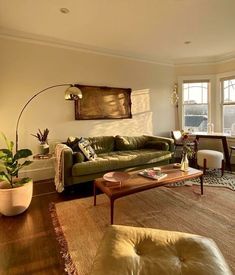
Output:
x=131 y=250
x=213 y=158
x=118 y=160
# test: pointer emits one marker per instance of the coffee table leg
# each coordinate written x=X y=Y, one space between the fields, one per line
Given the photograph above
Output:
x=94 y=192
x=111 y=210
x=201 y=181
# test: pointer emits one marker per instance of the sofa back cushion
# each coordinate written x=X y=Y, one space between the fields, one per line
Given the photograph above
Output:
x=129 y=143
x=102 y=144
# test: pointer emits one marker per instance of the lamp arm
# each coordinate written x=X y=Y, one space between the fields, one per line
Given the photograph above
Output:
x=27 y=103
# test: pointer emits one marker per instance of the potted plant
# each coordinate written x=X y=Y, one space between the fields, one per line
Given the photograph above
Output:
x=15 y=193
x=42 y=136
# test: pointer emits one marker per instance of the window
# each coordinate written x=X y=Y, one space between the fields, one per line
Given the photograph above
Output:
x=195 y=105
x=228 y=104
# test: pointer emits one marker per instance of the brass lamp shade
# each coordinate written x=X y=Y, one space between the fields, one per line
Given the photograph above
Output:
x=73 y=93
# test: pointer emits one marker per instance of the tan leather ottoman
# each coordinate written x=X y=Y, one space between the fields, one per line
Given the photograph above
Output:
x=128 y=250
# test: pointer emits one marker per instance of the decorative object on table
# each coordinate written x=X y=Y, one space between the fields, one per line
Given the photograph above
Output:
x=103 y=103
x=210 y=128
x=15 y=193
x=71 y=93
x=39 y=156
x=116 y=177
x=153 y=173
x=187 y=151
x=42 y=137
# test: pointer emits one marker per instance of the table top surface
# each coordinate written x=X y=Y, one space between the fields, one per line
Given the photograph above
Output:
x=137 y=183
x=214 y=134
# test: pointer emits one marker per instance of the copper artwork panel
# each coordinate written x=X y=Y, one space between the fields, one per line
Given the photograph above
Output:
x=103 y=103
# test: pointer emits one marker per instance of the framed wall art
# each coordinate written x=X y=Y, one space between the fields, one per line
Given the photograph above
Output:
x=100 y=102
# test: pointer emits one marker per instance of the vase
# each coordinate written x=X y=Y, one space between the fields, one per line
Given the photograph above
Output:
x=43 y=148
x=184 y=165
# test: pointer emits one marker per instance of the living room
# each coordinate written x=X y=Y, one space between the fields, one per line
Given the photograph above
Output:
x=150 y=47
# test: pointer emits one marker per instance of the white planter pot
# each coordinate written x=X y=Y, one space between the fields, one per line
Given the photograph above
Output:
x=14 y=201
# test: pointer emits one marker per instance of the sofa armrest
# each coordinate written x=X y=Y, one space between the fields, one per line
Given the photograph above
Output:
x=158 y=145
x=68 y=164
x=156 y=139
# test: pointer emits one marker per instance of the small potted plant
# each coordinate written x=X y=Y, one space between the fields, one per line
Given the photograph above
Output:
x=42 y=136
x=15 y=193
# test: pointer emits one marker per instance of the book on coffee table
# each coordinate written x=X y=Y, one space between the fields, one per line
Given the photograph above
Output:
x=152 y=174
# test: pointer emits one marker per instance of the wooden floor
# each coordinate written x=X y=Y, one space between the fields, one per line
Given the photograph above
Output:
x=27 y=241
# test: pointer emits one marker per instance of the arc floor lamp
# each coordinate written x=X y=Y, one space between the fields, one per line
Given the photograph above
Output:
x=71 y=93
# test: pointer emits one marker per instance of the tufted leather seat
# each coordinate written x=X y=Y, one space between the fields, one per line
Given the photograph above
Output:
x=128 y=250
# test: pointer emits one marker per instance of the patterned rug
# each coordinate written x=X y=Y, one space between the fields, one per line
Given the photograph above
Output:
x=212 y=178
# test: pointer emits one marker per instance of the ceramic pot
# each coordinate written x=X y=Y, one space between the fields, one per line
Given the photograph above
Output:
x=14 y=201
x=43 y=148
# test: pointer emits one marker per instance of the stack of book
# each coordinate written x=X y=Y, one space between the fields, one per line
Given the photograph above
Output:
x=153 y=174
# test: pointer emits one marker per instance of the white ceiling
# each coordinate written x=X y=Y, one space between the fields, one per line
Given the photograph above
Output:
x=153 y=30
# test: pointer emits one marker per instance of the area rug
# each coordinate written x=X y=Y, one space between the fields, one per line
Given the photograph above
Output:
x=213 y=179
x=80 y=226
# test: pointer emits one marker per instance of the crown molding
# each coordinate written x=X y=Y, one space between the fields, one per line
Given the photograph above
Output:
x=54 y=42
x=211 y=60
x=49 y=41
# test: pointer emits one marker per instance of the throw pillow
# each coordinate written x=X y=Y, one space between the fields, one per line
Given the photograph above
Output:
x=87 y=150
x=72 y=142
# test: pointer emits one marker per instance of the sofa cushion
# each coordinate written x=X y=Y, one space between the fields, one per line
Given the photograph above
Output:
x=102 y=144
x=86 y=148
x=72 y=142
x=158 y=145
x=118 y=160
x=130 y=143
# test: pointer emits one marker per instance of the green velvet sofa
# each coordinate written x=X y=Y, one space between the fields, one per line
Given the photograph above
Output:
x=120 y=153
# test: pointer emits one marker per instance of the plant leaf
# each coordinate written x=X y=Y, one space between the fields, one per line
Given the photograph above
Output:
x=26 y=163
x=4 y=176
x=21 y=181
x=23 y=153
x=9 y=143
x=5 y=153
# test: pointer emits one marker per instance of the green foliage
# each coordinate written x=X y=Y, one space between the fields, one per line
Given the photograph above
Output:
x=10 y=163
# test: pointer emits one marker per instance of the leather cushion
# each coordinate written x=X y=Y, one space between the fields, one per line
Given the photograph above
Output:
x=128 y=250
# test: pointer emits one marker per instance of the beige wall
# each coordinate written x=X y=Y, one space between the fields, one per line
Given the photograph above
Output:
x=26 y=68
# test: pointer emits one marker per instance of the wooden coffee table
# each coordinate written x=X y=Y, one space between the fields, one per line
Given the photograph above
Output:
x=137 y=183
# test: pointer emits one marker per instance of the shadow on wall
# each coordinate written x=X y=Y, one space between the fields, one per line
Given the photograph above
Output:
x=141 y=122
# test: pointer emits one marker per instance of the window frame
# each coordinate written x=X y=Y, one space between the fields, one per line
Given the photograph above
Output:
x=222 y=103
x=185 y=81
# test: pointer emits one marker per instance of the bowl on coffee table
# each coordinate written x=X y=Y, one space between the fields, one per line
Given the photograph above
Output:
x=114 y=178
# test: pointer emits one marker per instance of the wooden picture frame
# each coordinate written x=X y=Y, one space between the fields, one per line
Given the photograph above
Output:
x=100 y=102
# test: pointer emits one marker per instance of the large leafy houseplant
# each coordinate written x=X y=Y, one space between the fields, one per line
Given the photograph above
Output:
x=11 y=164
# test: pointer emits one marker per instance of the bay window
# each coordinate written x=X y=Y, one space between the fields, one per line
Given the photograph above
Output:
x=195 y=105
x=228 y=103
